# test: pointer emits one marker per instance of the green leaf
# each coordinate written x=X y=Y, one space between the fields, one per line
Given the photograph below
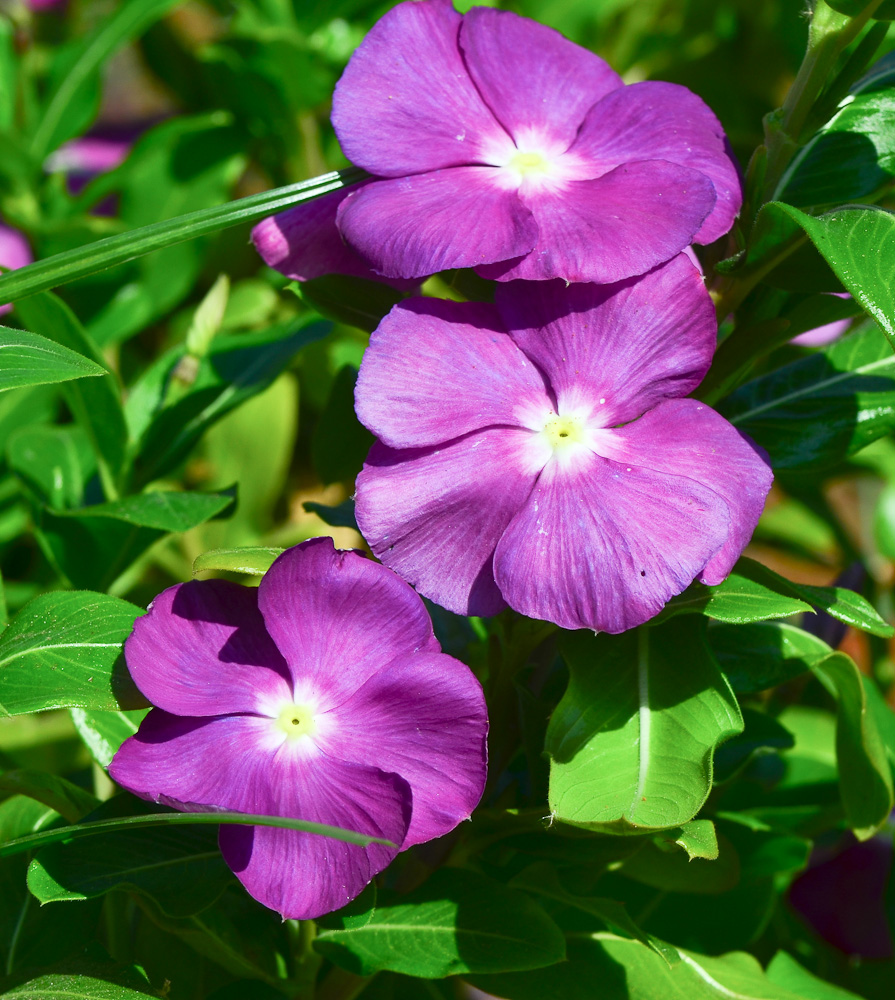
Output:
x=29 y=359
x=73 y=96
x=73 y=264
x=180 y=868
x=763 y=734
x=76 y=831
x=104 y=732
x=341 y=516
x=60 y=986
x=64 y=649
x=235 y=369
x=65 y=798
x=884 y=12
x=541 y=878
x=865 y=779
x=457 y=922
x=92 y=546
x=786 y=972
x=208 y=317
x=341 y=442
x=635 y=754
x=55 y=462
x=627 y=970
x=255 y=560
x=659 y=865
x=698 y=838
x=95 y=404
x=764 y=851
x=350 y=300
x=761 y=656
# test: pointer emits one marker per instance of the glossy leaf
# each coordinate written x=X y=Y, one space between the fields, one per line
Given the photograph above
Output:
x=254 y=560
x=787 y=973
x=698 y=839
x=104 y=732
x=865 y=779
x=73 y=264
x=61 y=986
x=636 y=754
x=29 y=359
x=63 y=649
x=180 y=868
x=457 y=922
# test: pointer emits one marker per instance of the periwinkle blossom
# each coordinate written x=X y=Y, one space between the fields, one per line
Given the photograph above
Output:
x=324 y=696
x=498 y=144
x=14 y=253
x=536 y=453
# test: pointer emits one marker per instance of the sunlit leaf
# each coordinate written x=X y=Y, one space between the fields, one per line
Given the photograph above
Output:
x=29 y=359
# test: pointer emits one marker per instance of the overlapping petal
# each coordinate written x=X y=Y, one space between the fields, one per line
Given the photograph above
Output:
x=435 y=515
x=235 y=763
x=604 y=545
x=618 y=349
x=684 y=437
x=454 y=357
x=538 y=84
x=664 y=121
x=303 y=242
x=202 y=650
x=405 y=103
x=423 y=718
x=14 y=253
x=623 y=223
x=322 y=605
x=408 y=226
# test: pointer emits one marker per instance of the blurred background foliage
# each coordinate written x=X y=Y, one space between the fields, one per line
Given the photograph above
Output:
x=233 y=388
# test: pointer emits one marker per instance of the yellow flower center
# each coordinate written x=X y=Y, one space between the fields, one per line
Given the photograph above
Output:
x=529 y=164
x=297 y=721
x=563 y=431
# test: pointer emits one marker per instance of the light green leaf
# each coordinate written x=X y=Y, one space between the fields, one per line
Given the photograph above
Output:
x=865 y=779
x=73 y=264
x=457 y=922
x=54 y=462
x=63 y=649
x=60 y=986
x=104 y=732
x=207 y=318
x=699 y=839
x=885 y=11
x=631 y=741
x=255 y=560
x=29 y=359
x=786 y=972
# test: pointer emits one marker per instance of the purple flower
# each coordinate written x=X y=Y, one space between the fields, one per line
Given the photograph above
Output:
x=535 y=453
x=820 y=336
x=14 y=253
x=323 y=695
x=498 y=144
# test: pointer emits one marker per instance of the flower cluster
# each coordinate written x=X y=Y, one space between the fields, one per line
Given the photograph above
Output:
x=537 y=452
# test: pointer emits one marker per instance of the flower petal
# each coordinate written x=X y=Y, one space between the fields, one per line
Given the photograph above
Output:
x=202 y=650
x=337 y=618
x=304 y=243
x=232 y=762
x=424 y=718
x=405 y=103
x=435 y=370
x=14 y=253
x=664 y=121
x=619 y=225
x=435 y=515
x=413 y=226
x=603 y=546
x=537 y=83
x=684 y=437
x=616 y=349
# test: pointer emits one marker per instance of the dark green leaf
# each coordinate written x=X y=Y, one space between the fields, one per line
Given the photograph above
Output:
x=73 y=264
x=354 y=301
x=64 y=649
x=340 y=442
x=762 y=734
x=104 y=732
x=636 y=754
x=673 y=871
x=341 y=516
x=65 y=798
x=55 y=462
x=457 y=922
x=29 y=359
x=865 y=779
x=255 y=560
x=885 y=11
x=180 y=868
x=764 y=851
x=761 y=656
